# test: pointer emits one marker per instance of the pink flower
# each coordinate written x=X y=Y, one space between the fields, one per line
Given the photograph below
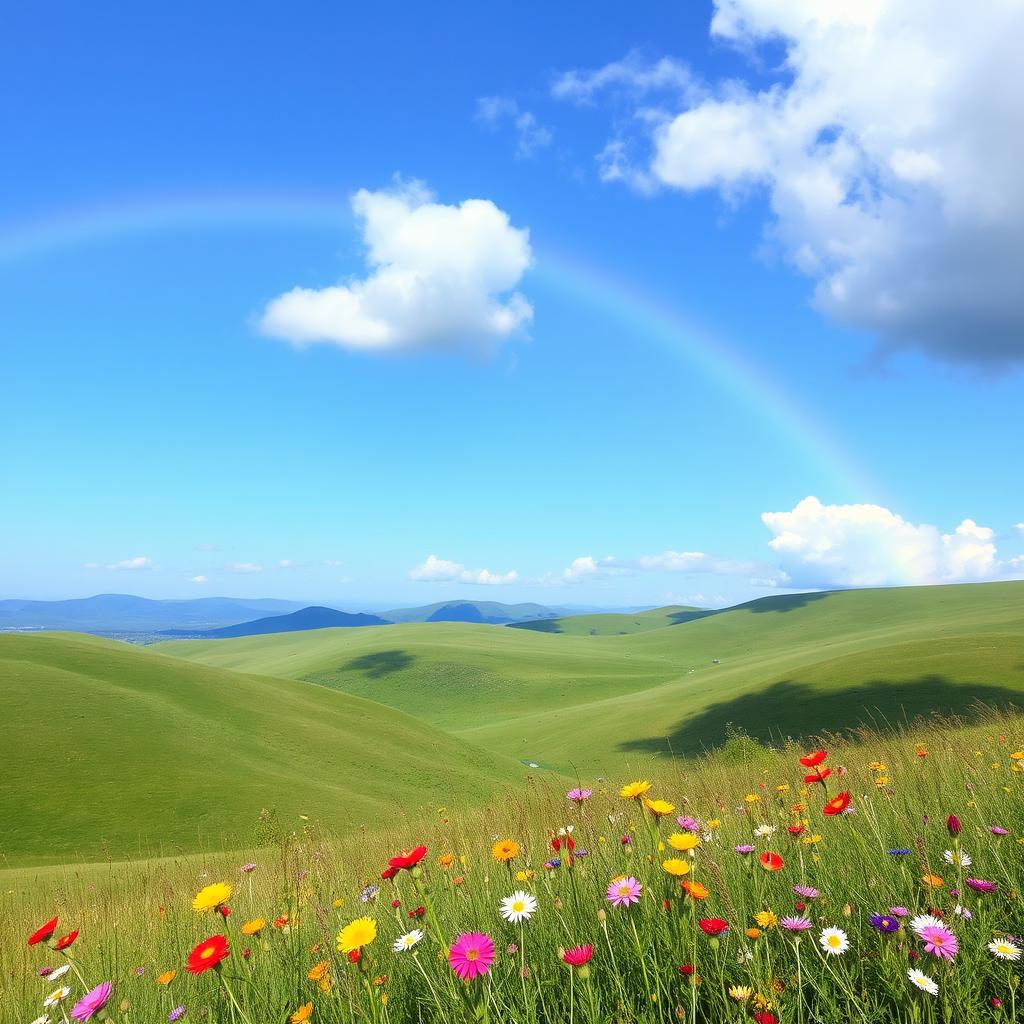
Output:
x=578 y=955
x=795 y=924
x=624 y=891
x=939 y=941
x=980 y=885
x=92 y=1002
x=996 y=830
x=577 y=796
x=471 y=955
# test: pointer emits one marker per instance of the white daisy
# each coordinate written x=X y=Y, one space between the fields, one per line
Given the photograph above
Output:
x=925 y=921
x=408 y=940
x=520 y=906
x=1004 y=949
x=565 y=831
x=834 y=941
x=42 y=1020
x=958 y=859
x=59 y=973
x=56 y=996
x=764 y=830
x=922 y=981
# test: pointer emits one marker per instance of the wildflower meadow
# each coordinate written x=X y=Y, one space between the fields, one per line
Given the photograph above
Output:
x=873 y=880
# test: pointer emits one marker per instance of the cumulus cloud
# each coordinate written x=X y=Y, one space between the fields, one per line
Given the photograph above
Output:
x=633 y=74
x=440 y=570
x=438 y=277
x=820 y=546
x=243 y=568
x=531 y=135
x=588 y=568
x=199 y=579
x=140 y=563
x=888 y=146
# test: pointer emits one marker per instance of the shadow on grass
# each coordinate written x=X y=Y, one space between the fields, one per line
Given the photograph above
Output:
x=381 y=663
x=794 y=709
x=538 y=625
x=678 y=618
x=785 y=602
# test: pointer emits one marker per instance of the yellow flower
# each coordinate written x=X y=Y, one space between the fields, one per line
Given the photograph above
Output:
x=212 y=896
x=324 y=984
x=659 y=807
x=784 y=788
x=683 y=841
x=505 y=850
x=752 y=798
x=167 y=977
x=1017 y=755
x=766 y=919
x=319 y=971
x=446 y=860
x=877 y=766
x=881 y=781
x=634 y=790
x=361 y=932
x=676 y=866
x=339 y=902
x=253 y=927
x=741 y=993
x=303 y=1013
x=811 y=840
x=714 y=823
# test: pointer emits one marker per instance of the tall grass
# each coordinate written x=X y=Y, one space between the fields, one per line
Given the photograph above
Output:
x=651 y=961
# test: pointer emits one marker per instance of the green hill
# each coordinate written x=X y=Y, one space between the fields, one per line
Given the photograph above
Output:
x=113 y=749
x=785 y=666
x=616 y=623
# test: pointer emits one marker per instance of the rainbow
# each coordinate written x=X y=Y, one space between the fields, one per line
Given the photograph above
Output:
x=749 y=384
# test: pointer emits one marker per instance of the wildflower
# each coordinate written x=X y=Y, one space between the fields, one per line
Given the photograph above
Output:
x=741 y=993
x=247 y=869
x=834 y=941
x=922 y=981
x=686 y=969
x=933 y=881
x=212 y=897
x=953 y=825
x=753 y=933
x=939 y=941
x=167 y=977
x=207 y=954
x=813 y=759
x=302 y=1014
x=980 y=885
x=408 y=940
x=578 y=955
x=577 y=796
x=771 y=861
x=319 y=971
x=368 y=893
x=766 y=918
x=807 y=891
x=837 y=805
x=752 y=798
x=899 y=911
x=65 y=940
x=997 y=831
x=795 y=924
x=44 y=1019
x=404 y=862
x=695 y=890
x=471 y=955
x=884 y=923
x=92 y=1002
x=254 y=927
x=624 y=891
x=818 y=776
x=745 y=848
x=683 y=841
x=765 y=1017
x=505 y=850
x=634 y=790
x=713 y=925
x=764 y=830
x=57 y=996
x=179 y=1011
x=59 y=973
x=1004 y=949
x=43 y=933
x=358 y=933
x=957 y=858
x=688 y=823
x=899 y=851
x=520 y=906
x=659 y=808
x=676 y=866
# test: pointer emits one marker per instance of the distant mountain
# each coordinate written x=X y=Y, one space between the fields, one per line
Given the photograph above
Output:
x=314 y=617
x=126 y=613
x=490 y=612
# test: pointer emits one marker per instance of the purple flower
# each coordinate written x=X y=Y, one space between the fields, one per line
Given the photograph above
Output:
x=745 y=848
x=795 y=924
x=577 y=796
x=884 y=923
x=899 y=911
x=177 y=1013
x=899 y=852
x=44 y=972
x=688 y=824
x=92 y=1002
x=980 y=885
x=140 y=971
x=807 y=891
x=247 y=868
x=997 y=831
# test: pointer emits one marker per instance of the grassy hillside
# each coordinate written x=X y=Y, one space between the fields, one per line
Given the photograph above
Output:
x=616 y=623
x=787 y=666
x=114 y=749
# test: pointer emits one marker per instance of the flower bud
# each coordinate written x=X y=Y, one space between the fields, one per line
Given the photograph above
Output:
x=953 y=824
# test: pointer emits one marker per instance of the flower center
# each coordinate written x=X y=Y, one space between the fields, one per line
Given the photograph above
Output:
x=472 y=954
x=207 y=953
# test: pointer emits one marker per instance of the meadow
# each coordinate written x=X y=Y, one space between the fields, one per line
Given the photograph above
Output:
x=873 y=878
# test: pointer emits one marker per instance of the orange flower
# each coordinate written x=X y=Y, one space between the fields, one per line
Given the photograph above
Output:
x=446 y=860
x=302 y=1014
x=771 y=861
x=319 y=971
x=933 y=881
x=695 y=890
x=837 y=804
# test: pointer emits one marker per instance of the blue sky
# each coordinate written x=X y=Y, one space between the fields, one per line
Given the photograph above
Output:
x=589 y=387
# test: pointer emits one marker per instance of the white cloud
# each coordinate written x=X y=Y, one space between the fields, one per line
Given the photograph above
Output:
x=199 y=579
x=286 y=563
x=633 y=74
x=588 y=568
x=439 y=277
x=1019 y=527
x=531 y=135
x=888 y=146
x=138 y=564
x=869 y=546
x=243 y=567
x=439 y=570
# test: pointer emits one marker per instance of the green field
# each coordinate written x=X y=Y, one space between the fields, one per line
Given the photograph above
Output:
x=616 y=623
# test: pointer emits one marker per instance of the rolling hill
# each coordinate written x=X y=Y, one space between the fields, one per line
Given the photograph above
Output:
x=491 y=612
x=314 y=617
x=121 y=751
x=787 y=665
x=615 y=623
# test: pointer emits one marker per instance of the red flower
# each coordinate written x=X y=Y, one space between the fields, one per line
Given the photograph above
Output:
x=246 y=953
x=953 y=824
x=418 y=912
x=813 y=759
x=764 y=1017
x=837 y=804
x=43 y=933
x=559 y=841
x=712 y=925
x=223 y=910
x=406 y=862
x=686 y=969
x=819 y=776
x=389 y=873
x=578 y=955
x=771 y=861
x=65 y=940
x=794 y=830
x=208 y=954
x=354 y=956
x=395 y=904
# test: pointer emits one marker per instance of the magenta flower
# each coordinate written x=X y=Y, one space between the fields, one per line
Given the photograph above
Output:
x=92 y=1002
x=997 y=831
x=745 y=848
x=795 y=924
x=980 y=885
x=577 y=796
x=807 y=891
x=471 y=955
x=939 y=941
x=688 y=824
x=899 y=911
x=177 y=1013
x=624 y=891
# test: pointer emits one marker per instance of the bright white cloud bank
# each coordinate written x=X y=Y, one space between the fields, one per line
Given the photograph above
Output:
x=439 y=570
x=890 y=149
x=824 y=546
x=439 y=277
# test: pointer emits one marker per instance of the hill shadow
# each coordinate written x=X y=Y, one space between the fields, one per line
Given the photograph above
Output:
x=794 y=709
x=677 y=618
x=538 y=625
x=785 y=602
x=381 y=663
